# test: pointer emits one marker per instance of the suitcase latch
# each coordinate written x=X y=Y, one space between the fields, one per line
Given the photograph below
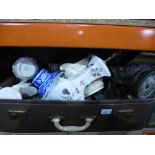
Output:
x=125 y=113
x=17 y=114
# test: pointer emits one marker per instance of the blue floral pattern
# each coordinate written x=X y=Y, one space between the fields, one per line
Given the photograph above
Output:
x=48 y=83
x=42 y=76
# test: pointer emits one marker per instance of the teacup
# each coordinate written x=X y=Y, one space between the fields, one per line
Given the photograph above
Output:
x=25 y=68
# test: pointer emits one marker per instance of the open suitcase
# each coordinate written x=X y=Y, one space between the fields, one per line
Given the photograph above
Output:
x=61 y=43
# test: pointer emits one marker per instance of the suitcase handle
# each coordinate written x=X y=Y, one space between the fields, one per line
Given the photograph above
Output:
x=57 y=124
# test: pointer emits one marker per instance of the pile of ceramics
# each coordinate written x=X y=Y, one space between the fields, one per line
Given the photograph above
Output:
x=71 y=82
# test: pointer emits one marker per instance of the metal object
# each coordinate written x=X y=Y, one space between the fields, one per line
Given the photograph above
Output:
x=77 y=35
x=57 y=124
x=144 y=85
x=17 y=114
x=125 y=113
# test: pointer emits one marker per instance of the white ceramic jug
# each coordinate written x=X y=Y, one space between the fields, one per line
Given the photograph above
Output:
x=73 y=89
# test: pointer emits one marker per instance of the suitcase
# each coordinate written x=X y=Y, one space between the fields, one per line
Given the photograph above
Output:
x=70 y=42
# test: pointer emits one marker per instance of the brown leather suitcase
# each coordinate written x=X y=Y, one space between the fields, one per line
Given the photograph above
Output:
x=43 y=42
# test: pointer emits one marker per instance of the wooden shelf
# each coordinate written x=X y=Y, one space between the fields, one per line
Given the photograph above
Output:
x=77 y=35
